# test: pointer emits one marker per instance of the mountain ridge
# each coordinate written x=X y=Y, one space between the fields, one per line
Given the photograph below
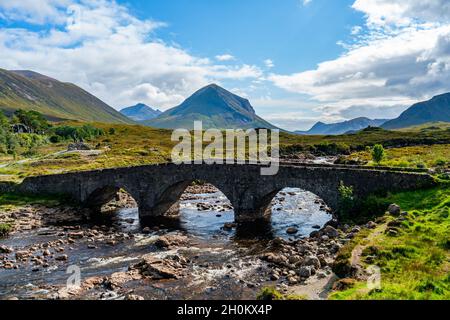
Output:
x=29 y=90
x=321 y=128
x=140 y=112
x=216 y=107
x=434 y=110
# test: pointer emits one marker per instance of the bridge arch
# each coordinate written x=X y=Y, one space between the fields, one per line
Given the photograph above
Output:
x=100 y=194
x=166 y=201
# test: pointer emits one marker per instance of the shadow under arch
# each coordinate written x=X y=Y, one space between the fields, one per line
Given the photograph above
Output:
x=106 y=194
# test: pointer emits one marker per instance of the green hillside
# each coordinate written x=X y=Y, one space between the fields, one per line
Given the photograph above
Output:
x=57 y=100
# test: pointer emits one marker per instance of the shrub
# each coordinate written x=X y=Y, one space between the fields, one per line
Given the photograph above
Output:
x=331 y=149
x=378 y=153
x=78 y=134
x=32 y=119
x=440 y=163
x=55 y=139
x=269 y=294
x=5 y=229
x=346 y=198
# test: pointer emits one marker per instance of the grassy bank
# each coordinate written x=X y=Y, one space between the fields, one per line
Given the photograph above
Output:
x=410 y=157
x=131 y=145
x=412 y=250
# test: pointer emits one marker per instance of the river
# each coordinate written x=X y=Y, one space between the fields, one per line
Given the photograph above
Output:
x=218 y=262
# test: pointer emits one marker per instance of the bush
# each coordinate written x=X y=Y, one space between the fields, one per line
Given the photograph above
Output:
x=346 y=199
x=32 y=119
x=440 y=163
x=269 y=294
x=78 y=134
x=378 y=153
x=5 y=229
x=55 y=139
x=331 y=149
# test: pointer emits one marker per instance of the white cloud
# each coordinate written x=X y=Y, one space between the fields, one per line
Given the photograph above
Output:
x=306 y=2
x=102 y=47
x=403 y=12
x=34 y=11
x=269 y=63
x=225 y=57
x=398 y=62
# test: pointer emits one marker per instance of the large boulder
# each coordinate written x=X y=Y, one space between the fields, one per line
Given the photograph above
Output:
x=78 y=146
x=312 y=261
x=394 y=209
x=330 y=232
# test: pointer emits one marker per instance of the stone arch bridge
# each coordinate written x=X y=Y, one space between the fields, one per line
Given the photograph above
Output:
x=157 y=188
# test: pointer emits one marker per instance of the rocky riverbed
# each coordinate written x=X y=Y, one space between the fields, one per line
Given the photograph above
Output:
x=202 y=254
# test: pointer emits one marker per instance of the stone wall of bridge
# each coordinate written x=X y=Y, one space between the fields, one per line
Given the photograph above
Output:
x=157 y=188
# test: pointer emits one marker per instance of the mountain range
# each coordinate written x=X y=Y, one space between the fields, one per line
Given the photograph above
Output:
x=215 y=107
x=28 y=90
x=140 y=112
x=353 y=125
x=436 y=109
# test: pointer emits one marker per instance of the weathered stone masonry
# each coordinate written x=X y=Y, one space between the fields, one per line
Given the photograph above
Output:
x=157 y=188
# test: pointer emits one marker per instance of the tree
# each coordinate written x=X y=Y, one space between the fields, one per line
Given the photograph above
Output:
x=346 y=198
x=4 y=121
x=378 y=153
x=34 y=120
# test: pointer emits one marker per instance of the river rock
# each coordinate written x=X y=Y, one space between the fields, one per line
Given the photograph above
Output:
x=5 y=249
x=305 y=271
x=314 y=234
x=156 y=269
x=311 y=261
x=63 y=257
x=21 y=255
x=76 y=235
x=330 y=232
x=371 y=225
x=292 y=230
x=394 y=209
x=133 y=297
x=229 y=226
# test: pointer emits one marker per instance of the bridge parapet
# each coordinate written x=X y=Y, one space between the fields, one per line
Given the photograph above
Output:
x=158 y=188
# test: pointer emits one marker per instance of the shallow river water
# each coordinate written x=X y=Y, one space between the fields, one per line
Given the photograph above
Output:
x=226 y=263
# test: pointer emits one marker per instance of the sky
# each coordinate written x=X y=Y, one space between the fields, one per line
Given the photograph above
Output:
x=297 y=61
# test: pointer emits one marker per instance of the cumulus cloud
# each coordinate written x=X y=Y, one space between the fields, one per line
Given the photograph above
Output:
x=225 y=57
x=401 y=12
x=404 y=57
x=102 y=47
x=34 y=11
x=269 y=63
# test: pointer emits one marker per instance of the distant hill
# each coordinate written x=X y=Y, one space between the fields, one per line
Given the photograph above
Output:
x=140 y=112
x=215 y=107
x=435 y=110
x=29 y=90
x=354 y=125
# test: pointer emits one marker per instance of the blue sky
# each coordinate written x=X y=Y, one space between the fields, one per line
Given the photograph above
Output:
x=297 y=61
x=294 y=35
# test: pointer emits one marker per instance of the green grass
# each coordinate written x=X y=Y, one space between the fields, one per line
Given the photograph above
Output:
x=8 y=200
x=411 y=157
x=415 y=264
x=5 y=229
x=133 y=145
x=270 y=294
